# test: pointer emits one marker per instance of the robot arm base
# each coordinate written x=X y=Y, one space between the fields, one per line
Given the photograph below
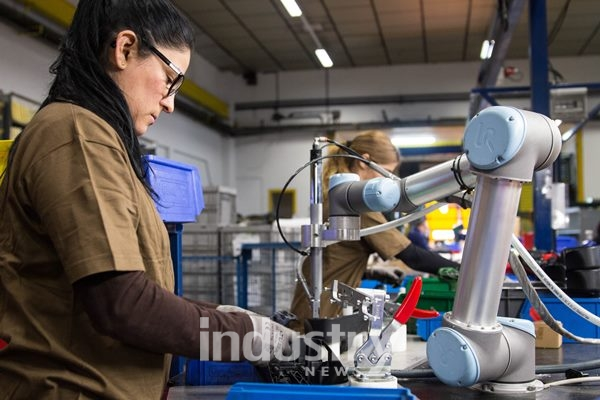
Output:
x=461 y=355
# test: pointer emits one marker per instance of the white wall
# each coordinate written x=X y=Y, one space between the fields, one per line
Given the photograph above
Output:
x=262 y=160
x=266 y=162
x=24 y=64
x=257 y=163
x=591 y=160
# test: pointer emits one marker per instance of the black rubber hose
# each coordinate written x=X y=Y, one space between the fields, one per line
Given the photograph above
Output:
x=540 y=369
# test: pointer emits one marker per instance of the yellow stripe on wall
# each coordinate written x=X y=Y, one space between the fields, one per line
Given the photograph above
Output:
x=61 y=11
x=203 y=97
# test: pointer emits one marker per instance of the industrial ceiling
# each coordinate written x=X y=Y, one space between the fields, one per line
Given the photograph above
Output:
x=247 y=37
x=259 y=36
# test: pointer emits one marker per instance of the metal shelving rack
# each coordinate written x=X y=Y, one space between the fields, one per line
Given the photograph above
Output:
x=16 y=111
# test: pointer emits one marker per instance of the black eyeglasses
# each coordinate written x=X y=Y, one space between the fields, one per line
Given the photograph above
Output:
x=177 y=82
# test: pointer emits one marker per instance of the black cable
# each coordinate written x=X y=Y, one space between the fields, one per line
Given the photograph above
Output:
x=458 y=176
x=463 y=186
x=346 y=148
x=540 y=369
x=319 y=159
x=351 y=154
x=558 y=368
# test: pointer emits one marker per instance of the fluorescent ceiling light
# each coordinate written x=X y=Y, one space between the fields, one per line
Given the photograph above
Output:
x=292 y=8
x=324 y=58
x=413 y=140
x=487 y=47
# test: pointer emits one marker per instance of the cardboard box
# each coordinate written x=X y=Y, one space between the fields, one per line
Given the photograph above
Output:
x=545 y=337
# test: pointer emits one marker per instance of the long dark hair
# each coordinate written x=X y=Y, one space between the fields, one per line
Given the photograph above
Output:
x=80 y=68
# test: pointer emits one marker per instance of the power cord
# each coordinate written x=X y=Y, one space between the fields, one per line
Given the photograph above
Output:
x=351 y=154
x=287 y=183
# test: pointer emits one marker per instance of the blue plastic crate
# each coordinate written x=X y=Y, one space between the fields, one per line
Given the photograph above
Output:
x=201 y=373
x=179 y=189
x=261 y=391
x=570 y=320
x=425 y=327
x=566 y=242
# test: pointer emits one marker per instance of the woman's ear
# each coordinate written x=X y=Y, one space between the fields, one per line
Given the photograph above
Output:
x=362 y=165
x=122 y=48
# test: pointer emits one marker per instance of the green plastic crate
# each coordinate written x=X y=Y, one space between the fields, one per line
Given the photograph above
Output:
x=436 y=294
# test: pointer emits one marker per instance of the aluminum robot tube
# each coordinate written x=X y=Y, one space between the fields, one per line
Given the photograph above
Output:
x=436 y=183
x=316 y=219
x=485 y=254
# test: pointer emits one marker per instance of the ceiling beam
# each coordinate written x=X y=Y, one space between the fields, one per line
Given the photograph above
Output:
x=338 y=34
x=251 y=33
x=380 y=33
x=502 y=30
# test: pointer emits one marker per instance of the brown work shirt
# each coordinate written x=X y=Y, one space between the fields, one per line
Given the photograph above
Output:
x=71 y=206
x=347 y=261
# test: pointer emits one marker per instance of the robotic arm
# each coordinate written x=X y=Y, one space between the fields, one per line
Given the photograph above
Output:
x=503 y=147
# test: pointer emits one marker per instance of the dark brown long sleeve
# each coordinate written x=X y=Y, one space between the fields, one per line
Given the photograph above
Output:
x=129 y=307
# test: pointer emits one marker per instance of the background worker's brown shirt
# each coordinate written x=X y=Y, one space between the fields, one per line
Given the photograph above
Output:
x=73 y=208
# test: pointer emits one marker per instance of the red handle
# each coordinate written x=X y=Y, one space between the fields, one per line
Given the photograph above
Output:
x=424 y=314
x=409 y=304
x=534 y=314
x=3 y=344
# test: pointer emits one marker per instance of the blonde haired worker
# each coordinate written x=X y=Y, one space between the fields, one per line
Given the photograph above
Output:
x=347 y=261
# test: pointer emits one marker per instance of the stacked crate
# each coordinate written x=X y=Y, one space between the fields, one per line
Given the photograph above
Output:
x=259 y=273
x=201 y=264
x=219 y=207
x=204 y=264
x=287 y=262
x=212 y=254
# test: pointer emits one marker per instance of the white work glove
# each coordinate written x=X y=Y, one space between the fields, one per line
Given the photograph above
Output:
x=270 y=340
x=230 y=308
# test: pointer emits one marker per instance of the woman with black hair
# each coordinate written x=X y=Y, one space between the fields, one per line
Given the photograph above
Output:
x=86 y=279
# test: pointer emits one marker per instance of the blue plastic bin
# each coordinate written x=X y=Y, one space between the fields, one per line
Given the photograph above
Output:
x=566 y=242
x=179 y=189
x=200 y=373
x=570 y=320
x=262 y=391
x=425 y=327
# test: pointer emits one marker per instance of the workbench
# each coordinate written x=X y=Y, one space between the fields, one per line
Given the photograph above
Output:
x=432 y=389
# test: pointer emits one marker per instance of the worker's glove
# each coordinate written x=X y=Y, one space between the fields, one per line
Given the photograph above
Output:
x=230 y=308
x=270 y=340
x=390 y=276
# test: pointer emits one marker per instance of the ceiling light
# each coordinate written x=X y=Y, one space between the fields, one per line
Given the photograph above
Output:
x=487 y=47
x=413 y=140
x=324 y=58
x=292 y=8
